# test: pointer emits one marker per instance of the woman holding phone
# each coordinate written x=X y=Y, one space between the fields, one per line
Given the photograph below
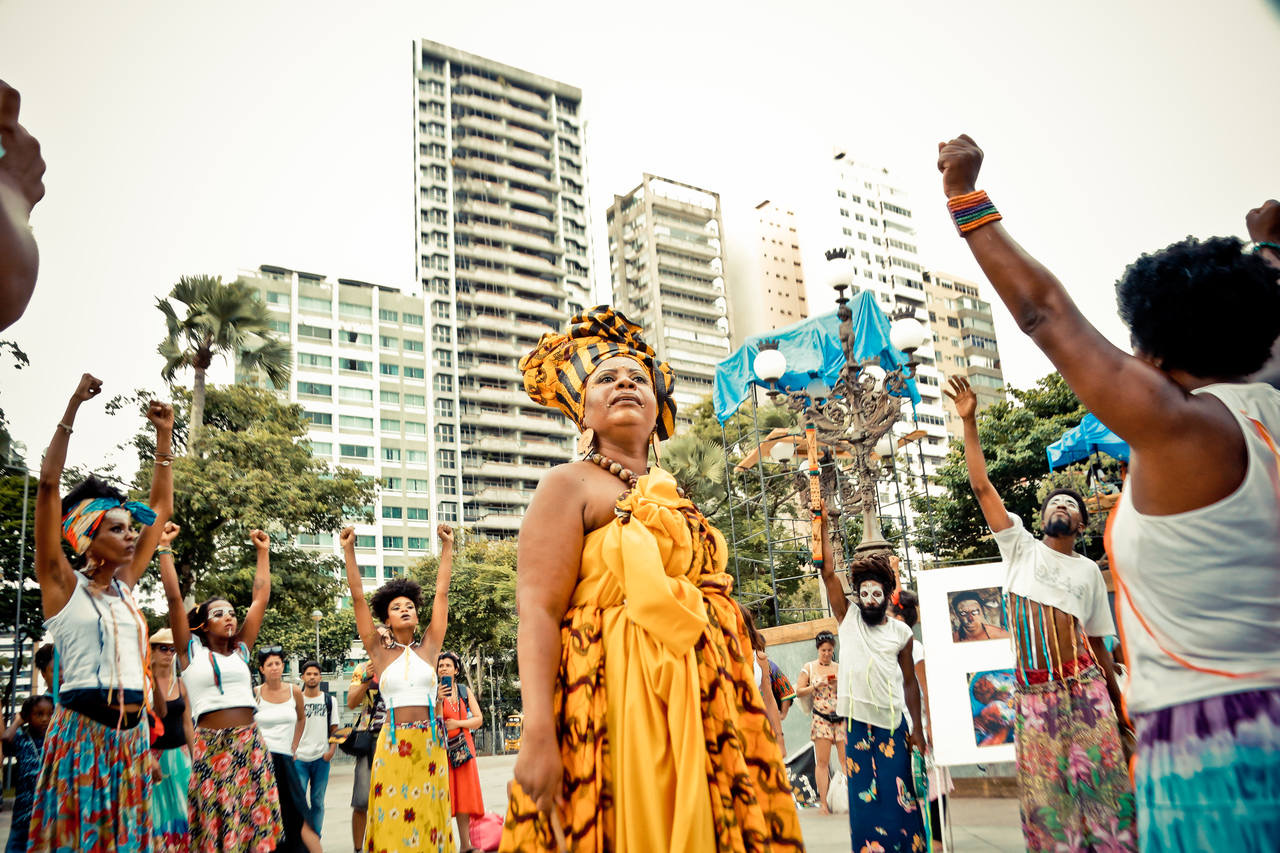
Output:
x=818 y=680
x=460 y=714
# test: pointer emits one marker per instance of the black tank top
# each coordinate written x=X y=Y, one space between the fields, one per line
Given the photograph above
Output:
x=173 y=737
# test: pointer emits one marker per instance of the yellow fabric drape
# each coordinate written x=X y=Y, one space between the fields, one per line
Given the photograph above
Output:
x=661 y=726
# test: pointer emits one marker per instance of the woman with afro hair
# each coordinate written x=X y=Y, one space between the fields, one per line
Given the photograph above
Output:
x=1194 y=544
x=409 y=804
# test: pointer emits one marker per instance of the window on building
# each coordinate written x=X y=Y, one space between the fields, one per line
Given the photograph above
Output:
x=355 y=395
x=355 y=365
x=315 y=389
x=323 y=419
x=416 y=485
x=447 y=511
x=388 y=342
x=446 y=459
x=419 y=543
x=388 y=315
x=418 y=513
x=411 y=319
x=393 y=484
x=443 y=383
x=311 y=303
x=444 y=357
x=355 y=422
x=392 y=511
x=389 y=369
x=366 y=541
x=393 y=543
x=391 y=454
x=322 y=449
x=414 y=372
x=415 y=428
x=444 y=407
x=410 y=345
x=417 y=401
x=281 y=326
x=351 y=309
x=444 y=433
x=368 y=571
x=441 y=334
x=276 y=298
x=319 y=333
x=361 y=338
x=307 y=359
x=355 y=451
x=417 y=457
x=389 y=425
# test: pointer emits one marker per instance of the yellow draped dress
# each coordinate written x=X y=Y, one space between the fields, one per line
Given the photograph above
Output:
x=662 y=730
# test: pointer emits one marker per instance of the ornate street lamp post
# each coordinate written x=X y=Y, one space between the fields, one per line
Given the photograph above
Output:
x=854 y=416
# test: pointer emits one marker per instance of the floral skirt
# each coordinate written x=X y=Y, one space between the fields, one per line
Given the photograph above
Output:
x=1208 y=774
x=1076 y=793
x=234 y=805
x=94 y=788
x=884 y=814
x=169 y=824
x=409 y=792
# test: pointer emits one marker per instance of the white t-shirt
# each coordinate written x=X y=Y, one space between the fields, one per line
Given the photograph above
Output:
x=1070 y=582
x=315 y=734
x=869 y=688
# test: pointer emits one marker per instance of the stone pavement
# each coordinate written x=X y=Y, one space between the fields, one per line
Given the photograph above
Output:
x=978 y=826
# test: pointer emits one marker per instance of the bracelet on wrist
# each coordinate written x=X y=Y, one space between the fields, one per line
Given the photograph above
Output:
x=972 y=210
x=1258 y=245
x=66 y=426
x=165 y=463
x=164 y=549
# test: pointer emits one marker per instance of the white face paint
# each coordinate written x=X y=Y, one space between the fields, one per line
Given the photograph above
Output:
x=871 y=593
x=1064 y=502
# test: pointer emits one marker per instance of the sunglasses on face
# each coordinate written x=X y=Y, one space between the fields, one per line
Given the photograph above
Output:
x=160 y=648
x=267 y=651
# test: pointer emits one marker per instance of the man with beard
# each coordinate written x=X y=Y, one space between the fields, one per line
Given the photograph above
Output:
x=1075 y=788
x=877 y=679
x=968 y=607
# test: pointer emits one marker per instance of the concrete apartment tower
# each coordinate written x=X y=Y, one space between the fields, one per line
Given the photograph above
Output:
x=503 y=256
x=766 y=274
x=359 y=368
x=873 y=220
x=964 y=339
x=666 y=264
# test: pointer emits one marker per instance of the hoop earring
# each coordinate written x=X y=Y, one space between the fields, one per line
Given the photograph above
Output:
x=586 y=441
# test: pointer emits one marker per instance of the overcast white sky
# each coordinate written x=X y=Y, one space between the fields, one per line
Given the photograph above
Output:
x=187 y=138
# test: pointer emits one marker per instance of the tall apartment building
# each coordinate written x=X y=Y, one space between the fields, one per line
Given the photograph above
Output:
x=766 y=274
x=964 y=339
x=666 y=264
x=359 y=373
x=872 y=219
x=502 y=256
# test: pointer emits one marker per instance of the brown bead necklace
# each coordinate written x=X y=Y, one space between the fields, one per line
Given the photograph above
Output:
x=624 y=474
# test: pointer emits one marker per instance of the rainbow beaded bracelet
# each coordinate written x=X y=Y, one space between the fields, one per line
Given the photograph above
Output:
x=972 y=210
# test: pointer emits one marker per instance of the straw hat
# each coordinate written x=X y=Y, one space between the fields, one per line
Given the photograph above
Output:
x=163 y=637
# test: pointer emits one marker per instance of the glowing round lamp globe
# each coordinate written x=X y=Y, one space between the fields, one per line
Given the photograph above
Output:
x=907 y=334
x=840 y=271
x=877 y=374
x=884 y=447
x=782 y=451
x=816 y=388
x=769 y=365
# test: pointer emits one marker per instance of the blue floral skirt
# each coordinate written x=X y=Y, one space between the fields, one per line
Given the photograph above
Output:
x=884 y=815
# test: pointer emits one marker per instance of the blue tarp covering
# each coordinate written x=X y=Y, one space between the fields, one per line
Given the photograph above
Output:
x=1081 y=441
x=810 y=346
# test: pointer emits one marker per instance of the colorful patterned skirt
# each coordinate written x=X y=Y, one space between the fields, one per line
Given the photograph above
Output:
x=233 y=803
x=94 y=788
x=1075 y=787
x=169 y=824
x=884 y=815
x=1208 y=774
x=409 y=792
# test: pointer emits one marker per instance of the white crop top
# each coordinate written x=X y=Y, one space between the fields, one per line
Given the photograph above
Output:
x=408 y=681
x=99 y=641
x=216 y=682
x=277 y=721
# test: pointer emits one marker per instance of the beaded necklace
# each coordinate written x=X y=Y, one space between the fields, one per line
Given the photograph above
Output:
x=624 y=474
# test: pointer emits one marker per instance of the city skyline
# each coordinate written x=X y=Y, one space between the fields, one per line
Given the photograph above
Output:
x=161 y=166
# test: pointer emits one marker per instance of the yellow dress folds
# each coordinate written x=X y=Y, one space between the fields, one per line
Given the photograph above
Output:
x=662 y=730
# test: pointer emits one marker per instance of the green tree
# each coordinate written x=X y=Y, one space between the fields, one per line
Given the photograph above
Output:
x=255 y=471
x=1014 y=436
x=482 y=602
x=14 y=546
x=298 y=637
x=218 y=319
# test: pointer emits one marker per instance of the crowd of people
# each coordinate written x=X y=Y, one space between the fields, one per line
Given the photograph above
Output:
x=650 y=715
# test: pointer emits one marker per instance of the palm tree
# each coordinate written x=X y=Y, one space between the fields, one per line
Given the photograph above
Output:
x=220 y=319
x=698 y=466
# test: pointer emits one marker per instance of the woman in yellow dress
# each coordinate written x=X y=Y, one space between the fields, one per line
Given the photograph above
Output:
x=644 y=729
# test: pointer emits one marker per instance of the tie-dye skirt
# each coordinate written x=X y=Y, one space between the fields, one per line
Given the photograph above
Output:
x=884 y=815
x=1208 y=774
x=94 y=788
x=169 y=824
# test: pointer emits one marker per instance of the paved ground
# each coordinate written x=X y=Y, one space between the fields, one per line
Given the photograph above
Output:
x=978 y=826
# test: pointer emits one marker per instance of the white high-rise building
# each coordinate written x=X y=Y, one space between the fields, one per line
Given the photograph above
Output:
x=666 y=264
x=503 y=256
x=872 y=219
x=766 y=272
x=359 y=373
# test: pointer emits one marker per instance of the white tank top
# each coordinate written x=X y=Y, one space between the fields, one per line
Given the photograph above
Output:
x=99 y=642
x=230 y=686
x=1207 y=581
x=277 y=721
x=408 y=681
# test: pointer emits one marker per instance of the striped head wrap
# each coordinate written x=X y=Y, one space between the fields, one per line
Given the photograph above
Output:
x=81 y=522
x=555 y=373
